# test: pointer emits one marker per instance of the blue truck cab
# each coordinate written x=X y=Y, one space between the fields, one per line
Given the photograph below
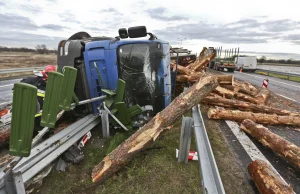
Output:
x=144 y=65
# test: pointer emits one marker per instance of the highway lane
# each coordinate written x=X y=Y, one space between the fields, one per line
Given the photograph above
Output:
x=284 y=88
x=6 y=90
x=285 y=69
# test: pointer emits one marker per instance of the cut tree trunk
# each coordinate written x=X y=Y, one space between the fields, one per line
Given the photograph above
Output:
x=266 y=179
x=287 y=150
x=4 y=136
x=224 y=92
x=231 y=94
x=146 y=135
x=246 y=88
x=262 y=95
x=201 y=64
x=182 y=70
x=195 y=76
x=236 y=115
x=226 y=79
x=245 y=106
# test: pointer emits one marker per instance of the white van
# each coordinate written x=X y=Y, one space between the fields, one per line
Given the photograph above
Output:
x=247 y=63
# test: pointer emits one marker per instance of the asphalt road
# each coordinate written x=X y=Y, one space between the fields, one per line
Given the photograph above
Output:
x=288 y=89
x=6 y=90
x=286 y=69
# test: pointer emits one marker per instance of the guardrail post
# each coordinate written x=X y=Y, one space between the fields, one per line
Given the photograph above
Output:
x=185 y=139
x=105 y=123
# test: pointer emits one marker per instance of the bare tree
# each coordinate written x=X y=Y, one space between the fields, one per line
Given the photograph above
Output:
x=42 y=49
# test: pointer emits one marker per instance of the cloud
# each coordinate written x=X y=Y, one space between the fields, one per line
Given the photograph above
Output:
x=157 y=13
x=212 y=32
x=109 y=10
x=53 y=27
x=17 y=38
x=31 y=8
x=2 y=4
x=273 y=54
x=280 y=25
x=12 y=21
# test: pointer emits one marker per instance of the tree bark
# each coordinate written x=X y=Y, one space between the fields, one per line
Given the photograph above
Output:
x=266 y=179
x=262 y=95
x=146 y=135
x=182 y=70
x=199 y=65
x=4 y=136
x=236 y=115
x=231 y=94
x=246 y=88
x=287 y=150
x=226 y=79
x=245 y=106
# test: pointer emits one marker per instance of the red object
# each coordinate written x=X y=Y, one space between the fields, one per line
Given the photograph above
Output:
x=193 y=155
x=49 y=68
x=3 y=112
x=85 y=139
x=265 y=83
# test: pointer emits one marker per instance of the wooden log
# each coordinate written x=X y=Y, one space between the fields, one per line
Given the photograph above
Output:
x=226 y=79
x=4 y=135
x=182 y=70
x=231 y=94
x=246 y=88
x=236 y=115
x=245 y=106
x=224 y=92
x=201 y=64
x=262 y=95
x=266 y=179
x=146 y=135
x=287 y=150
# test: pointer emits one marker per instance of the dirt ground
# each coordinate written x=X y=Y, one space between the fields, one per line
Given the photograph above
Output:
x=10 y=60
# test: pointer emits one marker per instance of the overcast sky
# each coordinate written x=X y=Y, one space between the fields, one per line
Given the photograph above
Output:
x=259 y=27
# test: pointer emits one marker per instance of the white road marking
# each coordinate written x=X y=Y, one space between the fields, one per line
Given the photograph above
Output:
x=6 y=85
x=286 y=97
x=248 y=145
x=271 y=80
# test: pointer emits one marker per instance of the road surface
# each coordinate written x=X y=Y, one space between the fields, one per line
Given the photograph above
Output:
x=289 y=90
x=6 y=90
x=285 y=88
x=285 y=69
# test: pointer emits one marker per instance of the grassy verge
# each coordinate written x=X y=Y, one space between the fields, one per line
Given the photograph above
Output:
x=156 y=170
x=292 y=78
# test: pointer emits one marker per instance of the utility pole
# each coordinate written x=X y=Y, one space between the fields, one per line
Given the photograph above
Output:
x=181 y=39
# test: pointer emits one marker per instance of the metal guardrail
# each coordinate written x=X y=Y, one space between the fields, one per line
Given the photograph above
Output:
x=211 y=180
x=20 y=70
x=289 y=76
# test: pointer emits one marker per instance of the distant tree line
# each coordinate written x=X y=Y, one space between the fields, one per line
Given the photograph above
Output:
x=41 y=49
x=264 y=59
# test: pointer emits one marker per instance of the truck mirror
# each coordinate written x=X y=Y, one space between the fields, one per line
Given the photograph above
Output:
x=137 y=31
x=123 y=33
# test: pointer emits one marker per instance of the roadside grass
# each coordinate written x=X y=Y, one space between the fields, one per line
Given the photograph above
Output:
x=292 y=78
x=155 y=170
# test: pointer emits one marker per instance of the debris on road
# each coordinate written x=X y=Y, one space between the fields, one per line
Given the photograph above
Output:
x=266 y=179
x=120 y=156
x=277 y=144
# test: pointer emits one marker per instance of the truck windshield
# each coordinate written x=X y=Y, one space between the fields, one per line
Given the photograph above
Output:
x=138 y=71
